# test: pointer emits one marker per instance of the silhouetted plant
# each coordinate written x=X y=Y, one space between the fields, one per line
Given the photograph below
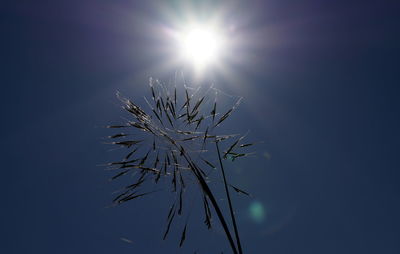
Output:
x=176 y=141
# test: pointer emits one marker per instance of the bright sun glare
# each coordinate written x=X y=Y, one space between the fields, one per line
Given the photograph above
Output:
x=201 y=45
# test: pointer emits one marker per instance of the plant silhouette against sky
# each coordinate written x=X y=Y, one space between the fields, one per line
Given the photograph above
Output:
x=178 y=141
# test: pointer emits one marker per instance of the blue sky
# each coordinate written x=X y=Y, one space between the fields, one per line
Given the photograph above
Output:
x=320 y=87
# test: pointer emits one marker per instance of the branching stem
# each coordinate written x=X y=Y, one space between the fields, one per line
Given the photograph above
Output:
x=213 y=201
x=229 y=201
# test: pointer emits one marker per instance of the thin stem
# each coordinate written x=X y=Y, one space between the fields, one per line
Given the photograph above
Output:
x=229 y=201
x=219 y=214
x=211 y=197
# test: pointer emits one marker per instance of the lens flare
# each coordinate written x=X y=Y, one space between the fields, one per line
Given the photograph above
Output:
x=257 y=212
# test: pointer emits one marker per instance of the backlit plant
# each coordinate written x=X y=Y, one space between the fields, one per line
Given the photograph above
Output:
x=177 y=139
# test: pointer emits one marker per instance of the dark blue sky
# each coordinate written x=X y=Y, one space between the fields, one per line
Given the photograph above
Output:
x=320 y=85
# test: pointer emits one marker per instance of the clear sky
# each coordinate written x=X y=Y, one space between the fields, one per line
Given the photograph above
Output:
x=320 y=86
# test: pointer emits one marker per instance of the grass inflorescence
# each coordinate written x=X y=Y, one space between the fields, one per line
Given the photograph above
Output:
x=176 y=139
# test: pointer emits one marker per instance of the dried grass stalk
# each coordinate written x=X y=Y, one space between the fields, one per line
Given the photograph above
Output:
x=171 y=142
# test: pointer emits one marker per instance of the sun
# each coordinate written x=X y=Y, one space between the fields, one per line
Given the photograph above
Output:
x=201 y=45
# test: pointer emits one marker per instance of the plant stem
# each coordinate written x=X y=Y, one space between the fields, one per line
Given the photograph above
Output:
x=214 y=202
x=210 y=195
x=229 y=201
x=219 y=214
